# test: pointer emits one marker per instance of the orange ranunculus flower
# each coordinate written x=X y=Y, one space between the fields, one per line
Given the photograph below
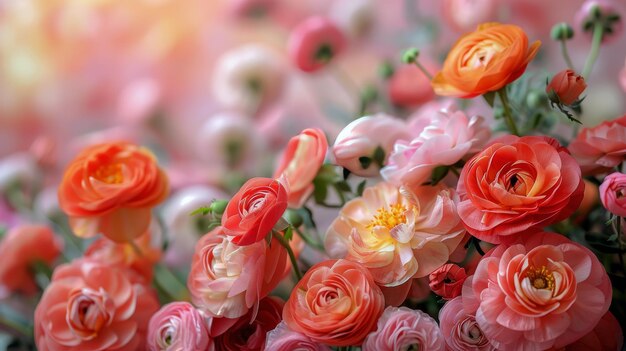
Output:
x=485 y=60
x=111 y=189
x=336 y=303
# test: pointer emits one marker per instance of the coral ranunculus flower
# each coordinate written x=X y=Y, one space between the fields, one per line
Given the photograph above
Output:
x=600 y=148
x=485 y=60
x=111 y=189
x=540 y=291
x=397 y=234
x=336 y=303
x=94 y=306
x=300 y=163
x=227 y=280
x=254 y=210
x=566 y=87
x=517 y=184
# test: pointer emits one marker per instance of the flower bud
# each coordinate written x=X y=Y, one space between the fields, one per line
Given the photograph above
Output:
x=218 y=206
x=566 y=87
x=601 y=12
x=294 y=218
x=562 y=31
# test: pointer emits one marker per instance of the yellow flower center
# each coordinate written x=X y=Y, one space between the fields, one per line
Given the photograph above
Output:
x=389 y=218
x=540 y=278
x=110 y=174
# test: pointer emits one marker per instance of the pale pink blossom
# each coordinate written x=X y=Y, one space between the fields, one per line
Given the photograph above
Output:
x=314 y=43
x=138 y=101
x=227 y=280
x=396 y=233
x=460 y=329
x=465 y=15
x=300 y=162
x=282 y=338
x=356 y=17
x=622 y=77
x=362 y=137
x=178 y=326
x=441 y=139
x=538 y=292
x=402 y=329
x=613 y=193
x=600 y=148
x=409 y=87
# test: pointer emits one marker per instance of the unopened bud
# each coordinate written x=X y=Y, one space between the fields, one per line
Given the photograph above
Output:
x=562 y=31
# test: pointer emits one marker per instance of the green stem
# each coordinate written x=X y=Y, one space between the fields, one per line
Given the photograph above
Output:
x=308 y=240
x=423 y=69
x=294 y=262
x=565 y=53
x=598 y=32
x=164 y=280
x=508 y=114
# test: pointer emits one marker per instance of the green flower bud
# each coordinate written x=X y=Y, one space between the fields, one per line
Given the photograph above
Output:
x=562 y=31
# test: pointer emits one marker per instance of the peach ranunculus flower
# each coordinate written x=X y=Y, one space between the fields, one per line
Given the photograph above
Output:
x=485 y=60
x=107 y=251
x=227 y=280
x=518 y=184
x=460 y=329
x=178 y=326
x=613 y=193
x=540 y=291
x=397 y=234
x=111 y=189
x=300 y=163
x=336 y=303
x=94 y=306
x=600 y=148
x=252 y=213
x=284 y=339
x=441 y=139
x=20 y=248
x=403 y=329
x=359 y=140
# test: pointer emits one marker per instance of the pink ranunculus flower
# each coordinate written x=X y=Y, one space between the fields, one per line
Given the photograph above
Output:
x=94 y=306
x=447 y=280
x=249 y=332
x=248 y=78
x=441 y=139
x=300 y=163
x=20 y=248
x=314 y=43
x=517 y=185
x=397 y=234
x=284 y=339
x=622 y=77
x=178 y=326
x=613 y=193
x=460 y=329
x=538 y=292
x=409 y=87
x=227 y=280
x=606 y=336
x=402 y=329
x=465 y=15
x=362 y=137
x=600 y=148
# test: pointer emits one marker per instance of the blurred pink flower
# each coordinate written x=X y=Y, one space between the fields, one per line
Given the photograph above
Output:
x=250 y=331
x=622 y=77
x=402 y=329
x=356 y=17
x=138 y=101
x=613 y=193
x=465 y=15
x=606 y=336
x=248 y=78
x=178 y=326
x=586 y=15
x=227 y=280
x=314 y=43
x=284 y=339
x=600 y=148
x=22 y=247
x=362 y=137
x=447 y=280
x=396 y=233
x=460 y=329
x=300 y=162
x=541 y=291
x=441 y=139
x=94 y=306
x=409 y=87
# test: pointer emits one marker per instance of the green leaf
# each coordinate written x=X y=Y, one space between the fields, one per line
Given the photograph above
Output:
x=281 y=225
x=288 y=233
x=438 y=174
x=203 y=211
x=343 y=186
x=379 y=157
x=321 y=190
x=346 y=173
x=365 y=161
x=361 y=187
x=490 y=97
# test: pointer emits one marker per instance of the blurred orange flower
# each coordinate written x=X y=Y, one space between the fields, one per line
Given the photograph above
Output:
x=111 y=189
x=485 y=60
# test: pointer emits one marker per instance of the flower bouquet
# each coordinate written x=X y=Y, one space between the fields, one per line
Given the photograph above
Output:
x=467 y=203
